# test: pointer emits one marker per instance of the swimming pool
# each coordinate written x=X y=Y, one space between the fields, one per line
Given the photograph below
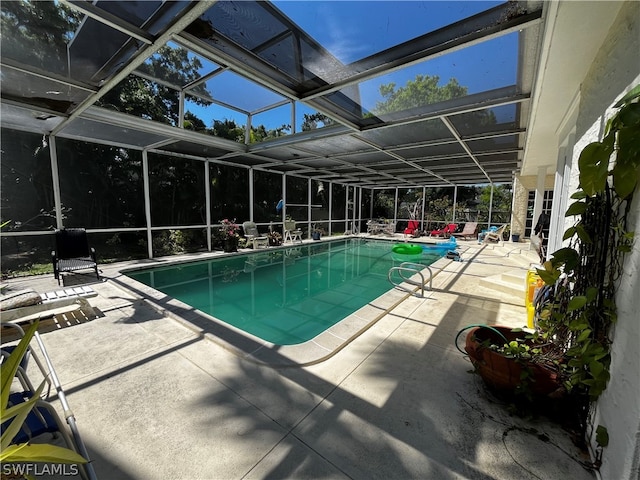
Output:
x=283 y=296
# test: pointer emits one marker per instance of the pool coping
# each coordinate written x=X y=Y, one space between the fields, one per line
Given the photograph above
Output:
x=252 y=348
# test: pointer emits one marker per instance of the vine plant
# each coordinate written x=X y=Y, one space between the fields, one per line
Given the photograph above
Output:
x=577 y=323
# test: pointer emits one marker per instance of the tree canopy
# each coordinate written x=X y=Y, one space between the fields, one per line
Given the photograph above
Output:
x=146 y=99
x=424 y=90
x=37 y=32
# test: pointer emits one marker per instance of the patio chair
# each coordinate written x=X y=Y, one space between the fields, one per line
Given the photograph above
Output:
x=291 y=233
x=253 y=236
x=389 y=228
x=483 y=233
x=412 y=228
x=43 y=418
x=495 y=236
x=72 y=252
x=25 y=306
x=446 y=232
x=373 y=227
x=469 y=230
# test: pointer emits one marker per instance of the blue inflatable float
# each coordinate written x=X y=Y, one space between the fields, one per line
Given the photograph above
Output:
x=450 y=244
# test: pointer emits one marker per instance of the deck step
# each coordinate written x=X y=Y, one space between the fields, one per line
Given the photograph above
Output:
x=511 y=283
x=517 y=277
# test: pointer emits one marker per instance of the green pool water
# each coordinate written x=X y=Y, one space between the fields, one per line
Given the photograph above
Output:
x=284 y=296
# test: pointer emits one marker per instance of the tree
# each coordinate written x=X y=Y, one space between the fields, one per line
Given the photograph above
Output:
x=315 y=120
x=192 y=122
x=177 y=191
x=154 y=101
x=260 y=133
x=501 y=198
x=103 y=192
x=384 y=203
x=37 y=32
x=27 y=186
x=228 y=129
x=424 y=90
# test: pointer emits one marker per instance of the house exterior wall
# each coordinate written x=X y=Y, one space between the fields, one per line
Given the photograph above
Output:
x=521 y=186
x=615 y=70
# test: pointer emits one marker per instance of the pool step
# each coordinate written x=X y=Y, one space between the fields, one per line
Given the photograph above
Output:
x=511 y=283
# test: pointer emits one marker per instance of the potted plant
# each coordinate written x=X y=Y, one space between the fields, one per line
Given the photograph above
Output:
x=576 y=308
x=275 y=238
x=510 y=360
x=316 y=232
x=229 y=235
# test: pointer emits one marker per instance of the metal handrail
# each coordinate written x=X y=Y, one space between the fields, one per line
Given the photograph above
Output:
x=410 y=267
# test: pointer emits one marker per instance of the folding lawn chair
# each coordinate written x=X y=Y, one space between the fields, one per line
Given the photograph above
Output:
x=43 y=418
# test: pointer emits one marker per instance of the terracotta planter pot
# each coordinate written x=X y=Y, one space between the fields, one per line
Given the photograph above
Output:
x=501 y=372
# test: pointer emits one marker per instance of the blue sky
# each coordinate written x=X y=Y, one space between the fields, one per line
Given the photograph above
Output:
x=352 y=30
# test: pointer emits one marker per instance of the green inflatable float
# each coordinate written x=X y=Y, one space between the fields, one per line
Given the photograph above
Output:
x=407 y=249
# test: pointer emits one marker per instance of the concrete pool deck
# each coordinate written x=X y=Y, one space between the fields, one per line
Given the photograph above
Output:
x=155 y=398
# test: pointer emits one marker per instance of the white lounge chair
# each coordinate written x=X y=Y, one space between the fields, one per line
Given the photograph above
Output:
x=253 y=236
x=25 y=306
x=496 y=236
x=291 y=233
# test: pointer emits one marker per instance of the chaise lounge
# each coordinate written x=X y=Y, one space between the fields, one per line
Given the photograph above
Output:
x=469 y=230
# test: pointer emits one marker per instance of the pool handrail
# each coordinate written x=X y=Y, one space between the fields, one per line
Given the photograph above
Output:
x=413 y=268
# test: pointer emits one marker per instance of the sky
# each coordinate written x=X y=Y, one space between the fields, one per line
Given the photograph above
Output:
x=352 y=30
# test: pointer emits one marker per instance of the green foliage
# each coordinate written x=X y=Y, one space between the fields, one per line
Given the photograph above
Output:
x=439 y=209
x=36 y=33
x=384 y=203
x=17 y=415
x=586 y=272
x=146 y=99
x=525 y=349
x=424 y=90
x=622 y=137
x=311 y=121
x=36 y=269
x=192 y=122
x=593 y=164
x=261 y=133
x=502 y=196
x=516 y=349
x=173 y=242
x=228 y=129
x=602 y=436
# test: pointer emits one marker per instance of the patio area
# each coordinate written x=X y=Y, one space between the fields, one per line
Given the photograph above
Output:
x=155 y=398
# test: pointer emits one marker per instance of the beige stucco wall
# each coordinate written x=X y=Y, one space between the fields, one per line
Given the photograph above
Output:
x=615 y=70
